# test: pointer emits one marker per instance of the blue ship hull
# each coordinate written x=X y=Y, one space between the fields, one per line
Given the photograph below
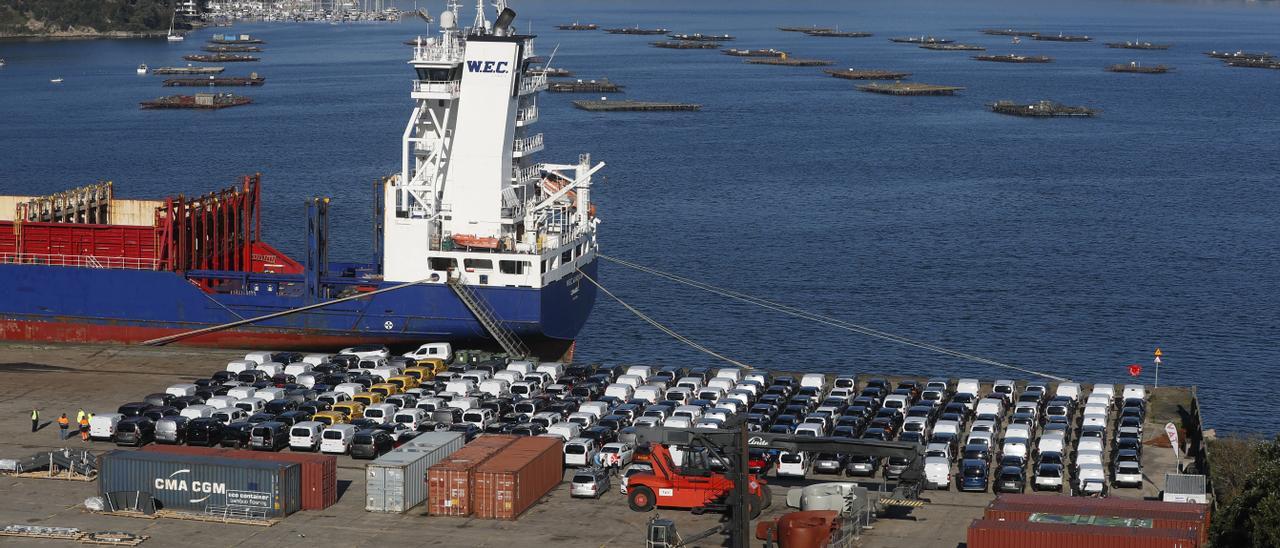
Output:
x=90 y=305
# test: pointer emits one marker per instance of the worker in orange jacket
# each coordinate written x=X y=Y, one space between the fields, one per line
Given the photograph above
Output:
x=84 y=428
x=63 y=424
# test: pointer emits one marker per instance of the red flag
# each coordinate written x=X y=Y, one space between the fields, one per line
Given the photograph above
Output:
x=1135 y=369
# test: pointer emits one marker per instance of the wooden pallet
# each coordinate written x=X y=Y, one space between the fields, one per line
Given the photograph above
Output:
x=75 y=536
x=117 y=541
x=216 y=519
x=65 y=475
x=129 y=514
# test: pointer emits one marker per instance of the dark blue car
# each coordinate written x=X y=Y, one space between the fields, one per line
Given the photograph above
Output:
x=973 y=474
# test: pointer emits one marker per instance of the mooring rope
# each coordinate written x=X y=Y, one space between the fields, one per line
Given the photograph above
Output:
x=663 y=328
x=827 y=320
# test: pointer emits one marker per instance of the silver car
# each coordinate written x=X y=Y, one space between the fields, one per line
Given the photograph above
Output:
x=589 y=483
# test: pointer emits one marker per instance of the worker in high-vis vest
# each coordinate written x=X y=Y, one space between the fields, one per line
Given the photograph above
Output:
x=63 y=424
x=84 y=428
x=35 y=419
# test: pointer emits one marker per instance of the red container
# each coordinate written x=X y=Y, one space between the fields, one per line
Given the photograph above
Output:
x=319 y=472
x=984 y=533
x=516 y=477
x=1169 y=515
x=449 y=481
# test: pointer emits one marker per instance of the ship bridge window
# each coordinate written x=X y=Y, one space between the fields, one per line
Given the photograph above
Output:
x=435 y=74
x=513 y=267
x=442 y=263
x=482 y=264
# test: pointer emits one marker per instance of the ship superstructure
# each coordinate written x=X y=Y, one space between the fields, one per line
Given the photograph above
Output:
x=471 y=199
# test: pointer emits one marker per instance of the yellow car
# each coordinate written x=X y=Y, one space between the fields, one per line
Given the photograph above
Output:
x=404 y=382
x=421 y=373
x=385 y=389
x=354 y=409
x=330 y=418
x=435 y=363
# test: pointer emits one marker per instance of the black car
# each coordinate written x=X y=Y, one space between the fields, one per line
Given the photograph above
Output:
x=156 y=413
x=313 y=407
x=601 y=434
x=133 y=409
x=371 y=443
x=259 y=418
x=528 y=429
x=159 y=398
x=977 y=451
x=205 y=432
x=470 y=430
x=251 y=376
x=1012 y=479
x=280 y=405
x=135 y=431
x=269 y=436
x=236 y=435
x=183 y=402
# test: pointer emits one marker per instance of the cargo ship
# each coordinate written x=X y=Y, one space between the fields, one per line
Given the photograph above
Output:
x=476 y=242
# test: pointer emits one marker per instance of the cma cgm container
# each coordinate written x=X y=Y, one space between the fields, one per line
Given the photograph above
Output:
x=198 y=483
x=319 y=472
x=985 y=533
x=515 y=478
x=397 y=481
x=449 y=481
x=1167 y=515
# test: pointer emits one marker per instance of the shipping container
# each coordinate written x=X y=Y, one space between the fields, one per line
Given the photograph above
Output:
x=319 y=472
x=1020 y=534
x=516 y=477
x=449 y=481
x=1171 y=515
x=397 y=481
x=195 y=483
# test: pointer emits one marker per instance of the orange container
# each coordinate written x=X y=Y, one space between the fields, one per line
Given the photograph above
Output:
x=517 y=477
x=1164 y=515
x=985 y=533
x=449 y=481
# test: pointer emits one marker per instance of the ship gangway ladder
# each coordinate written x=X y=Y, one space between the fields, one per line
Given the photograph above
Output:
x=485 y=315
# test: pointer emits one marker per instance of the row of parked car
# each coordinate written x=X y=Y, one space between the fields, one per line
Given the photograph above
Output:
x=1054 y=436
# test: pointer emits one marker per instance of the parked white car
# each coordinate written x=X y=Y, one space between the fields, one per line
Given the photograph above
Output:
x=103 y=426
x=182 y=390
x=367 y=351
x=196 y=411
x=336 y=439
x=1127 y=474
x=579 y=452
x=625 y=451
x=1134 y=391
x=240 y=366
x=443 y=351
x=380 y=413
x=937 y=473
x=305 y=436
x=793 y=465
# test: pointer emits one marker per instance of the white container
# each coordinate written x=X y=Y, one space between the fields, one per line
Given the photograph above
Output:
x=395 y=482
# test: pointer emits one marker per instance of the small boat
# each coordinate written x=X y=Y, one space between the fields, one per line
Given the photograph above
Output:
x=1 y=62
x=56 y=81
x=142 y=69
x=173 y=36
x=469 y=240
x=1016 y=40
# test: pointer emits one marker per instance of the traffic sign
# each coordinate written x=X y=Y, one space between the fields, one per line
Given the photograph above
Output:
x=1159 y=353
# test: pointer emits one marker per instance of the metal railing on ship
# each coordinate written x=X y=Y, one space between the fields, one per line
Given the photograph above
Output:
x=436 y=86
x=82 y=261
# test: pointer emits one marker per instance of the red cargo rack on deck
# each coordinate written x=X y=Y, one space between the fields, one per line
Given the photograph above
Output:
x=213 y=232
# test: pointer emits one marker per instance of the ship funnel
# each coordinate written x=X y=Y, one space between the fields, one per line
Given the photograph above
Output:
x=503 y=23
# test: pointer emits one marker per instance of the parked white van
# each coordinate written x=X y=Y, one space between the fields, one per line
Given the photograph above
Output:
x=103 y=426
x=691 y=412
x=481 y=417
x=642 y=371
x=554 y=370
x=305 y=436
x=724 y=384
x=464 y=403
x=647 y=393
x=967 y=386
x=937 y=473
x=443 y=351
x=298 y=368
x=508 y=375
x=258 y=357
x=620 y=391
x=461 y=387
x=316 y=359
x=495 y=387
x=579 y=452
x=269 y=393
x=992 y=406
x=793 y=465
x=196 y=411
x=816 y=380
x=566 y=430
x=240 y=366
x=1134 y=391
x=337 y=439
x=271 y=368
x=521 y=366
x=1108 y=390
x=380 y=413
x=732 y=373
x=349 y=388
x=692 y=383
x=632 y=380
x=251 y=405
x=219 y=402
x=182 y=390
x=411 y=418
x=228 y=415
x=241 y=392
x=1069 y=389
x=582 y=419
